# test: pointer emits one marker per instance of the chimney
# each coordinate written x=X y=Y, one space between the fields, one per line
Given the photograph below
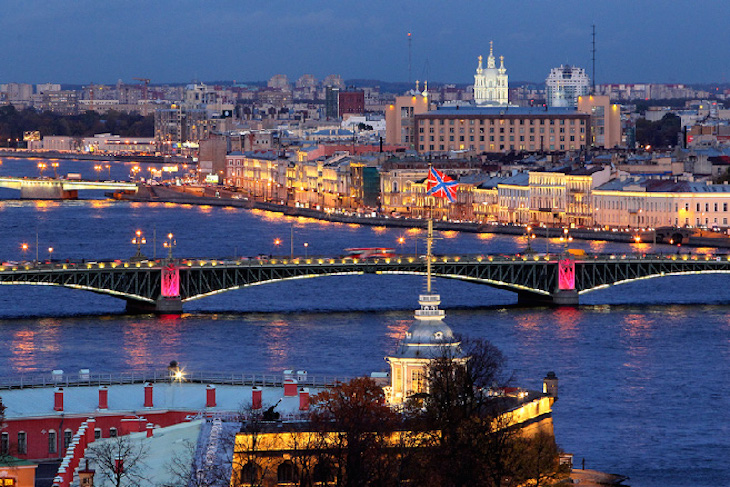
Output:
x=290 y=387
x=304 y=399
x=550 y=385
x=103 y=397
x=58 y=399
x=256 y=398
x=148 y=395
x=210 y=396
x=90 y=427
x=150 y=430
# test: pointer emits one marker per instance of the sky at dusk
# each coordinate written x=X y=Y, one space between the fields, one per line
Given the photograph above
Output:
x=83 y=41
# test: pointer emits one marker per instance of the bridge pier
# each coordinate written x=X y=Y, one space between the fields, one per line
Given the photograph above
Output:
x=163 y=306
x=558 y=298
x=49 y=191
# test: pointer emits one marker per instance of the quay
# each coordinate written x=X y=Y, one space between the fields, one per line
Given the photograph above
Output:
x=213 y=196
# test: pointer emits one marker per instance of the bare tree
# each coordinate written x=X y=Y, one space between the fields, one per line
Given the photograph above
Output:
x=120 y=460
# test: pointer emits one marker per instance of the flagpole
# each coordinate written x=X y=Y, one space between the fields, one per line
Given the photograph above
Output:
x=429 y=235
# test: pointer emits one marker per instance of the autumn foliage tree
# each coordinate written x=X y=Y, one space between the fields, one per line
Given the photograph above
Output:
x=357 y=423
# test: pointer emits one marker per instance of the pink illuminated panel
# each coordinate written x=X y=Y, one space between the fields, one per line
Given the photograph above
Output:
x=566 y=275
x=170 y=282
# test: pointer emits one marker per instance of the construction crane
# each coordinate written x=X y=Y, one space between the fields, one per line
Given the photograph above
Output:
x=146 y=82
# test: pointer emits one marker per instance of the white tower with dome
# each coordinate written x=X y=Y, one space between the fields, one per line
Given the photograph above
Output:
x=428 y=338
x=490 y=84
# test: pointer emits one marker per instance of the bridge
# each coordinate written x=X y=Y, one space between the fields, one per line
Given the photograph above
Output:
x=55 y=189
x=163 y=286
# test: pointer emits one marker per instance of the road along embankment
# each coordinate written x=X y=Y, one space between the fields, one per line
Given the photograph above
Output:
x=219 y=197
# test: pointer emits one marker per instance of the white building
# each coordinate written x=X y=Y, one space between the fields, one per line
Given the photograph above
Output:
x=565 y=84
x=490 y=83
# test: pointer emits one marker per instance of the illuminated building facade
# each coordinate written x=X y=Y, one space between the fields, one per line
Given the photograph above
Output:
x=565 y=84
x=656 y=203
x=605 y=120
x=508 y=129
x=399 y=117
x=490 y=83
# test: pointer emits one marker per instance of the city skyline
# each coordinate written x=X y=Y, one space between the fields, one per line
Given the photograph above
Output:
x=166 y=42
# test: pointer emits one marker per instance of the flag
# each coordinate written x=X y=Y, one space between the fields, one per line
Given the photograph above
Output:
x=439 y=184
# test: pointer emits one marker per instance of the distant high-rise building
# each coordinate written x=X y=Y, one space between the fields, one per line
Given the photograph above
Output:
x=490 y=83
x=280 y=82
x=332 y=102
x=307 y=81
x=565 y=84
x=335 y=81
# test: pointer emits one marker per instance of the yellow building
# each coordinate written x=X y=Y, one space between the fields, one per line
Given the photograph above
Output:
x=399 y=117
x=656 y=203
x=605 y=120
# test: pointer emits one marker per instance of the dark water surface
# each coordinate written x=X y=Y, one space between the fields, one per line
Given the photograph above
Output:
x=644 y=368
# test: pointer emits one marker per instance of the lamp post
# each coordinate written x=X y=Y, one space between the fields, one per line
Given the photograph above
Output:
x=54 y=165
x=24 y=249
x=109 y=168
x=50 y=255
x=277 y=242
x=41 y=167
x=169 y=244
x=401 y=241
x=97 y=168
x=138 y=240
x=306 y=247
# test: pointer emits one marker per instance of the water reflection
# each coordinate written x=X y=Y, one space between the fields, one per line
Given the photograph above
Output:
x=152 y=343
x=278 y=343
x=23 y=358
x=397 y=330
x=568 y=320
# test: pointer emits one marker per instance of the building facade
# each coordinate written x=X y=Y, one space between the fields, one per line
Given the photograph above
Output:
x=491 y=83
x=492 y=129
x=565 y=84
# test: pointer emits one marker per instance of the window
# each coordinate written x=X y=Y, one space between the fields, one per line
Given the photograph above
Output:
x=4 y=444
x=715 y=206
x=22 y=443
x=97 y=433
x=52 y=441
x=417 y=380
x=113 y=431
x=67 y=436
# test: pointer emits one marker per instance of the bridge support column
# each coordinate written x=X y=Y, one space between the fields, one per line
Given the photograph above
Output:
x=163 y=306
x=558 y=298
x=48 y=191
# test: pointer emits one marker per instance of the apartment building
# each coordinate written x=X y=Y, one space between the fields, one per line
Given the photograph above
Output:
x=500 y=129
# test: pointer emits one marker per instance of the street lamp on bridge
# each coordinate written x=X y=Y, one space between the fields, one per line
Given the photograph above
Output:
x=41 y=167
x=50 y=254
x=139 y=241
x=54 y=165
x=306 y=247
x=24 y=249
x=169 y=244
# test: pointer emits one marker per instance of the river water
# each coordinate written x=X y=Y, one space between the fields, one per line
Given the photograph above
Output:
x=644 y=368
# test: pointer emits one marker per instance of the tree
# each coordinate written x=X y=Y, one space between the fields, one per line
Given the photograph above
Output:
x=472 y=441
x=355 y=424
x=120 y=460
x=191 y=469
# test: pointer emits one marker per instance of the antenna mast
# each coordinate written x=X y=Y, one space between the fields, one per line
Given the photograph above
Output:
x=429 y=235
x=410 y=78
x=593 y=78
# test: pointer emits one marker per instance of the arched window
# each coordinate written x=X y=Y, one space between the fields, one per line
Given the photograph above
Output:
x=67 y=436
x=286 y=473
x=250 y=473
x=52 y=442
x=323 y=473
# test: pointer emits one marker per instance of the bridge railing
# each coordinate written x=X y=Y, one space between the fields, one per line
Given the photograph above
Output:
x=83 y=379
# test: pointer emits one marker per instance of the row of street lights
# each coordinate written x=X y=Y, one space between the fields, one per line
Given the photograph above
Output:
x=139 y=240
x=24 y=247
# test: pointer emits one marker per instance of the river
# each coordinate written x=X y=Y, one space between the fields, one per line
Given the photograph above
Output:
x=644 y=368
